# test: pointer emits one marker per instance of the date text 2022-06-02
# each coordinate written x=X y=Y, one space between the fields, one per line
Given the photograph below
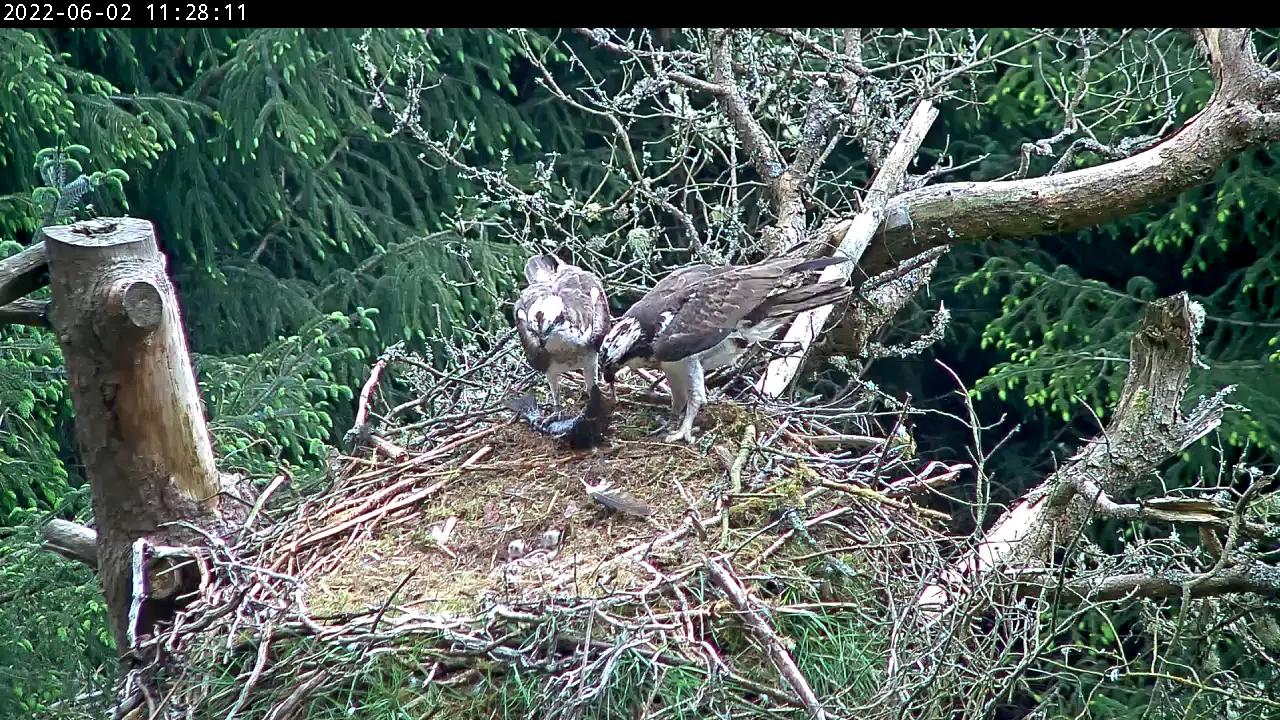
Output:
x=98 y=12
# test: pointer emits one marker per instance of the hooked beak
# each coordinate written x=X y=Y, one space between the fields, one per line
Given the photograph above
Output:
x=544 y=330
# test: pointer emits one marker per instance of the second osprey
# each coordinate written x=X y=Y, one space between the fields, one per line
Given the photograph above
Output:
x=703 y=317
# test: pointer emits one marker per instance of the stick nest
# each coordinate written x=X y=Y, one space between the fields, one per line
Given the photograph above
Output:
x=405 y=572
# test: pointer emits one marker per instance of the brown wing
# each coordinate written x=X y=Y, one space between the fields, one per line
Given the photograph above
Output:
x=538 y=357
x=669 y=293
x=715 y=305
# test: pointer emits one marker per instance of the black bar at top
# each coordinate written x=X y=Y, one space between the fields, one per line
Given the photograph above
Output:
x=58 y=14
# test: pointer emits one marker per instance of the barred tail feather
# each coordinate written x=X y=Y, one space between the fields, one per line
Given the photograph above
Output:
x=806 y=297
x=819 y=263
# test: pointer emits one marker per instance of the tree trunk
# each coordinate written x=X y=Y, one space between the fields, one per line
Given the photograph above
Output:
x=138 y=415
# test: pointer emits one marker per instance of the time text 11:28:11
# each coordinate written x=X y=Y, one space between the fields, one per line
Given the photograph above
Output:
x=193 y=12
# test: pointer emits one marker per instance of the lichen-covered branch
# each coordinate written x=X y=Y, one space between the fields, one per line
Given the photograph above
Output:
x=1240 y=115
x=857 y=234
x=1247 y=577
x=1243 y=113
x=1148 y=427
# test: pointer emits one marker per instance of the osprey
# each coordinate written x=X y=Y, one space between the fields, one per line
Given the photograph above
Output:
x=701 y=317
x=561 y=317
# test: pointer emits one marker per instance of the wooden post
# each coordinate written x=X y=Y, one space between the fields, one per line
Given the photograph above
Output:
x=139 y=419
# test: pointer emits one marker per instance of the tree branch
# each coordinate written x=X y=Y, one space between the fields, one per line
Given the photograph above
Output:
x=1236 y=118
x=20 y=274
x=1240 y=115
x=723 y=577
x=857 y=235
x=24 y=311
x=1249 y=577
x=73 y=541
x=1148 y=427
x=1188 y=511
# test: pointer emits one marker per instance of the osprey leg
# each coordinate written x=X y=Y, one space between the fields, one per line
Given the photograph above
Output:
x=695 y=394
x=679 y=384
x=590 y=367
x=553 y=379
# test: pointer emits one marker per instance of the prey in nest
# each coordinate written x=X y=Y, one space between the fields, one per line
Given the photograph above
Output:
x=584 y=431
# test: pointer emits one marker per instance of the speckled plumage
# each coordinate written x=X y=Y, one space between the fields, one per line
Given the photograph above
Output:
x=701 y=317
x=561 y=318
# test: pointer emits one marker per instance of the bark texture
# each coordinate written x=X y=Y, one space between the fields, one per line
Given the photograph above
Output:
x=139 y=420
x=23 y=273
x=1148 y=427
x=26 y=312
x=72 y=540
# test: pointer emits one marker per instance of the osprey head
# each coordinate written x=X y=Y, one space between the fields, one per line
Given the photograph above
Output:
x=548 y=316
x=620 y=345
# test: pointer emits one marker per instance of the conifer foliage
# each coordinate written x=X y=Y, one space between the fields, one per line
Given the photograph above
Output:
x=291 y=217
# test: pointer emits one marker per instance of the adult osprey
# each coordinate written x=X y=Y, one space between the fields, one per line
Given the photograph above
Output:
x=561 y=317
x=701 y=317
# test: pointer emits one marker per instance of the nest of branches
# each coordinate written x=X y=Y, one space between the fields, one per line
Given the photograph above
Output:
x=463 y=550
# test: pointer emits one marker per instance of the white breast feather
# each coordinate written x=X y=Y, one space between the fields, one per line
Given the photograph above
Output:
x=664 y=320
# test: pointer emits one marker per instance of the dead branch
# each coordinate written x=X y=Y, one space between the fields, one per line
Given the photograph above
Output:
x=25 y=311
x=857 y=234
x=1147 y=428
x=1247 y=577
x=140 y=423
x=362 y=408
x=21 y=274
x=72 y=540
x=1242 y=114
x=723 y=577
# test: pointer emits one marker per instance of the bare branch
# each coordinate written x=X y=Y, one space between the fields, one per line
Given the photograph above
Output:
x=722 y=575
x=25 y=311
x=20 y=274
x=1248 y=577
x=1147 y=428
x=72 y=540
x=857 y=235
x=1238 y=117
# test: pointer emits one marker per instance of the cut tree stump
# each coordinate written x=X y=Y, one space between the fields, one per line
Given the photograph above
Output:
x=139 y=418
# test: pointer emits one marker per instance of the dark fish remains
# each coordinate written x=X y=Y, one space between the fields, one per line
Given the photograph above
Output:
x=584 y=431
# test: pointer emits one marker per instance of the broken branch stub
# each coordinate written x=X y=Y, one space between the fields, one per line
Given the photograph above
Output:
x=1147 y=428
x=77 y=542
x=25 y=311
x=857 y=236
x=139 y=418
x=72 y=540
x=21 y=274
